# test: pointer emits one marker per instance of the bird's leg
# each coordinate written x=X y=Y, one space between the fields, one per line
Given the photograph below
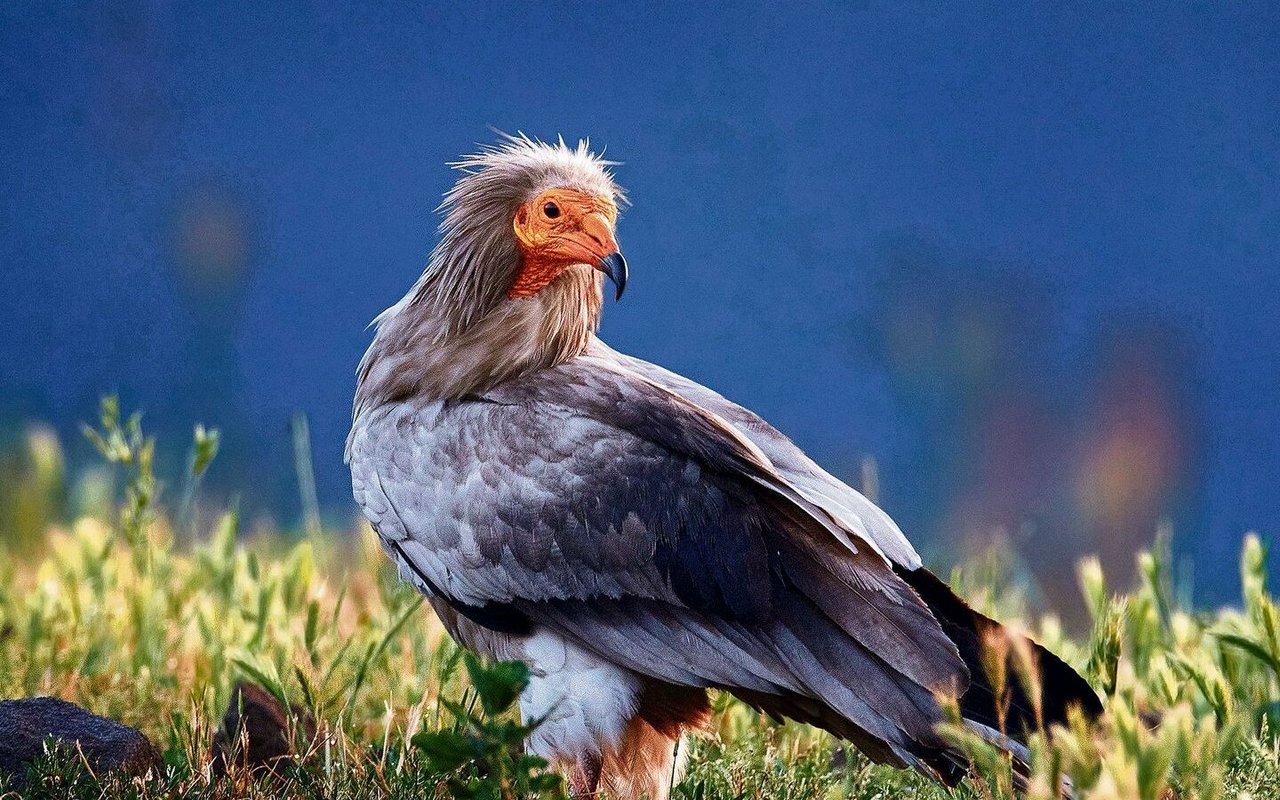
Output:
x=584 y=776
x=645 y=765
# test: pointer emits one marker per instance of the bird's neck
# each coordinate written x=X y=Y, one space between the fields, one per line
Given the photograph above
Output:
x=418 y=353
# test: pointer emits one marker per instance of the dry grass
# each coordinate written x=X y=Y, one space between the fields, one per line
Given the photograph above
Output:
x=110 y=613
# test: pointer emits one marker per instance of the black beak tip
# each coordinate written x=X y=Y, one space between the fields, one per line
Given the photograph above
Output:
x=615 y=266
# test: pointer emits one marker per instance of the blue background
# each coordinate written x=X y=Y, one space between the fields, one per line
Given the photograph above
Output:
x=1024 y=258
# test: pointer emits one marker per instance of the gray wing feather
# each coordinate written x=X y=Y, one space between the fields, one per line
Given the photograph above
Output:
x=652 y=530
x=855 y=511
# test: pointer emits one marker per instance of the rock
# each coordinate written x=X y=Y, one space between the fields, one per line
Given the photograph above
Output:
x=107 y=744
x=257 y=715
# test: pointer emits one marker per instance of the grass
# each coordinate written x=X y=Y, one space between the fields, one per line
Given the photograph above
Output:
x=150 y=618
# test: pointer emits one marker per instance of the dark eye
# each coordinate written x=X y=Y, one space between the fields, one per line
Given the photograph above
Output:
x=551 y=210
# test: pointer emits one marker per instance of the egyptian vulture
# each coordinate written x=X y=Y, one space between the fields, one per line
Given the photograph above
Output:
x=635 y=538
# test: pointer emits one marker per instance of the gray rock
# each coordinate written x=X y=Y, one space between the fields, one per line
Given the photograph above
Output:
x=106 y=744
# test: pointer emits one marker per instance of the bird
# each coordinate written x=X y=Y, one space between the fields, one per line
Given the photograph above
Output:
x=635 y=538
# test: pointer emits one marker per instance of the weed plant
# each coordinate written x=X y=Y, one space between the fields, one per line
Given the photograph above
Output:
x=111 y=612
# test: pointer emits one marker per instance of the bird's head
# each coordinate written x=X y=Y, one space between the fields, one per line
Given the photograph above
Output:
x=515 y=281
x=525 y=218
x=560 y=228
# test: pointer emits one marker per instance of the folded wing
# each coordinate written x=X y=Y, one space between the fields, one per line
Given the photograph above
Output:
x=590 y=499
x=855 y=511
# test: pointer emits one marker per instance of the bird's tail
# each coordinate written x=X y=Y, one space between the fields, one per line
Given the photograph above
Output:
x=1016 y=686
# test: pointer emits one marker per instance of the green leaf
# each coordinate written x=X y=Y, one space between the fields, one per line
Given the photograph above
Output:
x=498 y=685
x=311 y=631
x=1251 y=647
x=263 y=673
x=446 y=751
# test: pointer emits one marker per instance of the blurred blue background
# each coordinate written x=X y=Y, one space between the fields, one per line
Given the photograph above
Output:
x=1026 y=259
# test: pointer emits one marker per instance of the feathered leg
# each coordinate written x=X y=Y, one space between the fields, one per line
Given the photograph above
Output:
x=583 y=776
x=649 y=758
x=645 y=764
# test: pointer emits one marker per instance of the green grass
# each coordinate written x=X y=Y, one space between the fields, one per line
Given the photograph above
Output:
x=148 y=617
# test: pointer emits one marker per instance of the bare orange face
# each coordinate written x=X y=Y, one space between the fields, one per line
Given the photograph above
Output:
x=563 y=227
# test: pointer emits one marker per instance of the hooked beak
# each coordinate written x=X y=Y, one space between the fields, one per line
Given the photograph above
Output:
x=615 y=266
x=597 y=239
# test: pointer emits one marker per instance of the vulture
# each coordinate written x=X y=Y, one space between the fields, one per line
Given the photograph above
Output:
x=635 y=538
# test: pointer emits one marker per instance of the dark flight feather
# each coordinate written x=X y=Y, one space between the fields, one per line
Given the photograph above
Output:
x=1061 y=687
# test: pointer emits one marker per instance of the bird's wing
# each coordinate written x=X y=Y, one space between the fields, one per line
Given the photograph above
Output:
x=855 y=511
x=595 y=501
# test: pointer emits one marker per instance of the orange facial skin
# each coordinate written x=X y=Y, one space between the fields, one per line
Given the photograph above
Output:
x=560 y=228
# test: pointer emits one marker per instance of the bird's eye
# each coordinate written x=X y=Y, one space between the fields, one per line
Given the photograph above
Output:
x=551 y=210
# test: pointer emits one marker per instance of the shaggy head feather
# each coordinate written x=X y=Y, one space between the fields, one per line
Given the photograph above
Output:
x=457 y=331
